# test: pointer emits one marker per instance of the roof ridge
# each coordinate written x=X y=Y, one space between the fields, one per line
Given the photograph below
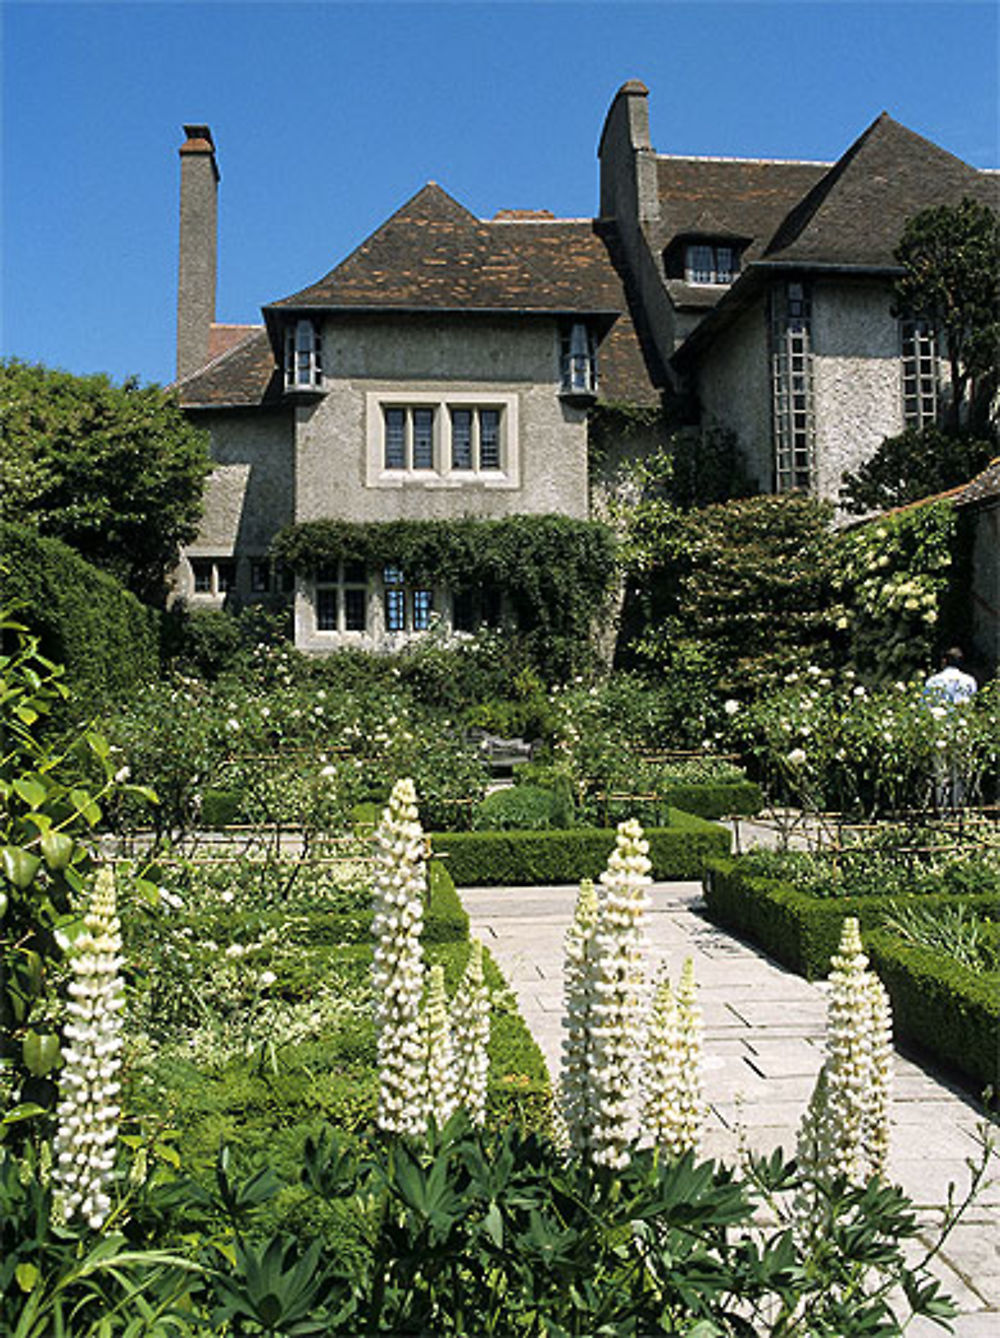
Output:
x=757 y=162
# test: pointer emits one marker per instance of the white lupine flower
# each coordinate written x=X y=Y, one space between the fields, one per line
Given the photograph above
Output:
x=470 y=1035
x=84 y=1148
x=399 y=889
x=439 y=1093
x=846 y=1129
x=574 y=1080
x=673 y=1108
x=616 y=1005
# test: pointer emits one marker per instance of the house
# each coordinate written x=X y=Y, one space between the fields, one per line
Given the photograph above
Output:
x=448 y=367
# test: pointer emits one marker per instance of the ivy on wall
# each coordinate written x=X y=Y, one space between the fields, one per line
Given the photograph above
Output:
x=554 y=571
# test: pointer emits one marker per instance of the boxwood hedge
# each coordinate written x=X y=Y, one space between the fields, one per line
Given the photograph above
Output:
x=496 y=859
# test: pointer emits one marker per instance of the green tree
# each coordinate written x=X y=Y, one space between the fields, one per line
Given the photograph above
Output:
x=920 y=462
x=951 y=256
x=116 y=472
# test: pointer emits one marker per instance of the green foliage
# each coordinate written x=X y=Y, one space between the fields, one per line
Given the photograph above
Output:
x=919 y=463
x=115 y=471
x=893 y=574
x=951 y=255
x=751 y=583
x=554 y=571
x=522 y=808
x=497 y=859
x=108 y=642
x=948 y=1009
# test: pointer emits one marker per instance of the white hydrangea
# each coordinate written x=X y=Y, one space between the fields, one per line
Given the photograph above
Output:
x=616 y=999
x=84 y=1148
x=574 y=1078
x=673 y=1108
x=399 y=890
x=439 y=1089
x=470 y=1033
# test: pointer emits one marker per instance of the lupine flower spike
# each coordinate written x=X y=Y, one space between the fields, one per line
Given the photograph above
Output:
x=672 y=1111
x=574 y=1078
x=84 y=1150
x=470 y=1036
x=399 y=887
x=440 y=1074
x=616 y=1006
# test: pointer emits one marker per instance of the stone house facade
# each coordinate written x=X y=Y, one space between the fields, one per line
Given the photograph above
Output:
x=447 y=367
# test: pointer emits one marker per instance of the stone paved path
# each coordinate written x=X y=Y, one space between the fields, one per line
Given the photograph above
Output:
x=763 y=1044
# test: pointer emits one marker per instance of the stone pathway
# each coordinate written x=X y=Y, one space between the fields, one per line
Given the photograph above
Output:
x=763 y=1044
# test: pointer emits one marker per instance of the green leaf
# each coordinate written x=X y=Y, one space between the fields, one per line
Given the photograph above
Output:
x=85 y=806
x=41 y=1052
x=27 y=1110
x=33 y=792
x=20 y=866
x=27 y=1276
x=57 y=849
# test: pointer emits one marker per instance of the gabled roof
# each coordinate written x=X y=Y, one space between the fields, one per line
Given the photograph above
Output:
x=244 y=376
x=854 y=215
x=984 y=488
x=434 y=255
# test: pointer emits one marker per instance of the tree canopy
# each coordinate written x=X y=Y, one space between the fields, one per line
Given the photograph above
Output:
x=116 y=472
x=918 y=463
x=951 y=255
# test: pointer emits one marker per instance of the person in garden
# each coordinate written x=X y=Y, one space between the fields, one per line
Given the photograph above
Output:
x=950 y=687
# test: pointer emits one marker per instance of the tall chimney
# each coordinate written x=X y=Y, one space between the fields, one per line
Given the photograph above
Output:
x=198 y=245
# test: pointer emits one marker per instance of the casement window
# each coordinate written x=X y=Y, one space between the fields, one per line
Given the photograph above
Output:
x=792 y=389
x=303 y=356
x=341 y=597
x=260 y=576
x=408 y=608
x=460 y=439
x=409 y=437
x=707 y=262
x=475 y=608
x=213 y=576
x=919 y=370
x=578 y=361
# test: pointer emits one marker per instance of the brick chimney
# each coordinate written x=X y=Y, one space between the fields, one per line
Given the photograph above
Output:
x=198 y=245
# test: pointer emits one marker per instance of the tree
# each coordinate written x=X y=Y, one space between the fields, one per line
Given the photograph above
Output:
x=951 y=256
x=116 y=472
x=920 y=462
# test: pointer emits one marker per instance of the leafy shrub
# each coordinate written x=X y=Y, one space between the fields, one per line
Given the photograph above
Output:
x=107 y=641
x=522 y=808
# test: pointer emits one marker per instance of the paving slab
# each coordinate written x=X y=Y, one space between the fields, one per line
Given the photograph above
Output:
x=764 y=1031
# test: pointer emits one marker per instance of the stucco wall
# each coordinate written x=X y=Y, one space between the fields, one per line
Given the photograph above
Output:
x=856 y=377
x=515 y=364
x=734 y=388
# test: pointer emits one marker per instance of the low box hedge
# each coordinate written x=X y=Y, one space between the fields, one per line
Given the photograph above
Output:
x=797 y=929
x=518 y=859
x=941 y=1006
x=717 y=799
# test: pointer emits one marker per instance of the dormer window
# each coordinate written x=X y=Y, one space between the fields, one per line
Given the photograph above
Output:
x=303 y=357
x=578 y=362
x=706 y=262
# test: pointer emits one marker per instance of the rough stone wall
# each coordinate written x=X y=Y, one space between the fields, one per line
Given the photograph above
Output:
x=734 y=389
x=856 y=376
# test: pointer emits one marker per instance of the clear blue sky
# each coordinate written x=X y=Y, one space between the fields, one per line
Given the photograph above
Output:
x=328 y=116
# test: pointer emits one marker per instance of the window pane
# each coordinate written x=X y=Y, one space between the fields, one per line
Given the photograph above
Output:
x=395 y=609
x=423 y=438
x=395 y=438
x=327 y=573
x=326 y=610
x=260 y=576
x=700 y=264
x=461 y=438
x=489 y=439
x=393 y=575
x=464 y=614
x=355 y=573
x=422 y=604
x=355 y=610
x=201 y=569
x=225 y=576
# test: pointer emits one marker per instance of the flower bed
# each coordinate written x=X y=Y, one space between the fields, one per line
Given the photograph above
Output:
x=495 y=859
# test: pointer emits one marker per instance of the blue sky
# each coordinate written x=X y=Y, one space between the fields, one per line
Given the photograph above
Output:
x=327 y=116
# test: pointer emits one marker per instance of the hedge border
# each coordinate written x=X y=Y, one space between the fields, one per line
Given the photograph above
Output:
x=717 y=799
x=940 y=1006
x=546 y=858
x=799 y=930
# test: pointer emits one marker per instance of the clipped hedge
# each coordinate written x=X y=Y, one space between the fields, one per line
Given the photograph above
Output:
x=797 y=929
x=716 y=799
x=941 y=1006
x=108 y=641
x=517 y=859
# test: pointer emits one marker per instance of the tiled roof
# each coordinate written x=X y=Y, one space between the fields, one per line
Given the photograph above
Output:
x=433 y=255
x=855 y=214
x=985 y=487
x=245 y=376
x=221 y=338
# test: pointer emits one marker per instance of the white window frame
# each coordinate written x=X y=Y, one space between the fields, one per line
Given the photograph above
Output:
x=710 y=273
x=215 y=561
x=444 y=473
x=336 y=580
x=578 y=360
x=416 y=600
x=303 y=356
x=919 y=373
x=793 y=410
